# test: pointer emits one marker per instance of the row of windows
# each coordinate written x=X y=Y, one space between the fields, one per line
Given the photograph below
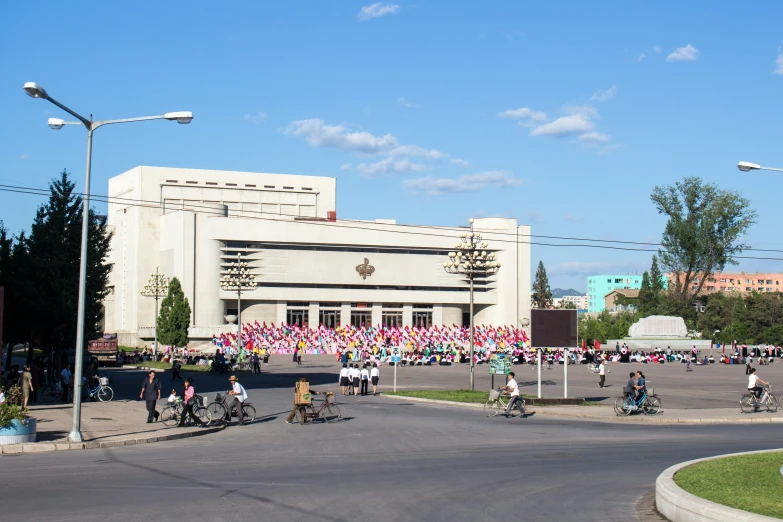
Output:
x=359 y=318
x=747 y=281
x=248 y=185
x=328 y=248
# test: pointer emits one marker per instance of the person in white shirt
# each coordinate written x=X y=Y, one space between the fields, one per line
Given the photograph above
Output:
x=172 y=397
x=375 y=376
x=345 y=378
x=240 y=395
x=513 y=388
x=364 y=376
x=753 y=383
x=355 y=378
x=602 y=374
x=65 y=380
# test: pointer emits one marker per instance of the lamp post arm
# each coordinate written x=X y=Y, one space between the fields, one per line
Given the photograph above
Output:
x=87 y=123
x=772 y=169
x=97 y=124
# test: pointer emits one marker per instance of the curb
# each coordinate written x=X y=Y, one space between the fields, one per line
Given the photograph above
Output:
x=552 y=412
x=678 y=505
x=25 y=449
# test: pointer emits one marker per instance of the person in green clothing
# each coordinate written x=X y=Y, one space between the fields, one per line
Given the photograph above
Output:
x=26 y=385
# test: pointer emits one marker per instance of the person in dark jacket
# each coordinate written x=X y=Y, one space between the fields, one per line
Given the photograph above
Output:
x=150 y=392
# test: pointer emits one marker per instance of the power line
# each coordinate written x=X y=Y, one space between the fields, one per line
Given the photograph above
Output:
x=131 y=202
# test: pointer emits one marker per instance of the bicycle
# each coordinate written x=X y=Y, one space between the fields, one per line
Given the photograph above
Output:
x=217 y=411
x=51 y=392
x=103 y=392
x=497 y=403
x=219 y=369
x=328 y=411
x=750 y=403
x=172 y=413
x=648 y=404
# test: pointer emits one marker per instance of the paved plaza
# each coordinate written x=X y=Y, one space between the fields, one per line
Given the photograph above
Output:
x=389 y=459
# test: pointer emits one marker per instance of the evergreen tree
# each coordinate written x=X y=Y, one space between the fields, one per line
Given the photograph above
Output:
x=542 y=295
x=656 y=278
x=646 y=296
x=174 y=317
x=50 y=276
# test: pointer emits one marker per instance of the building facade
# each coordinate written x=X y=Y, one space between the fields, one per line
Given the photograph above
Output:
x=600 y=285
x=311 y=268
x=738 y=282
x=622 y=300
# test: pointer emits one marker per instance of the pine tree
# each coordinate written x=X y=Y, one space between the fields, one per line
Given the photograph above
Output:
x=174 y=317
x=656 y=278
x=542 y=294
x=646 y=296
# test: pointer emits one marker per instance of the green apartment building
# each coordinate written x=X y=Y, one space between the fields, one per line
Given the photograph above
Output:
x=600 y=285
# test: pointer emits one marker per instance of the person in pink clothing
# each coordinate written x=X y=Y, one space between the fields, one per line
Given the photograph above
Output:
x=189 y=401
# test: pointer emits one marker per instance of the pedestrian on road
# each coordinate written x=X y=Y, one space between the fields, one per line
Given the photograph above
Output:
x=375 y=375
x=176 y=366
x=256 y=365
x=189 y=401
x=602 y=374
x=26 y=384
x=355 y=378
x=297 y=407
x=240 y=396
x=65 y=380
x=364 y=376
x=150 y=392
x=345 y=378
x=512 y=387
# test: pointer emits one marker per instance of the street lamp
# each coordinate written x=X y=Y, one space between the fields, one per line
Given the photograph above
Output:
x=36 y=91
x=472 y=260
x=239 y=279
x=157 y=287
x=746 y=166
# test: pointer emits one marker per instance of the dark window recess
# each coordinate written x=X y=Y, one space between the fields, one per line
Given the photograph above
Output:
x=306 y=188
x=269 y=186
x=231 y=184
x=211 y=183
x=289 y=188
x=172 y=181
x=376 y=287
x=329 y=305
x=298 y=304
x=192 y=182
x=249 y=185
x=423 y=306
x=325 y=248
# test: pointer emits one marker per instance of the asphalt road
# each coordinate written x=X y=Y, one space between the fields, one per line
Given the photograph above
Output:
x=387 y=460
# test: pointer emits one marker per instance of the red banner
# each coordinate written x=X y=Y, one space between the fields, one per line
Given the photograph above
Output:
x=597 y=344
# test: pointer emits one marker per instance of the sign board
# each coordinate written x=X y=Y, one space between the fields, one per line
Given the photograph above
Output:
x=395 y=355
x=499 y=364
x=553 y=329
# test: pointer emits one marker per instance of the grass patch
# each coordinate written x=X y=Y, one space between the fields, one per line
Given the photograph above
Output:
x=474 y=396
x=160 y=365
x=748 y=482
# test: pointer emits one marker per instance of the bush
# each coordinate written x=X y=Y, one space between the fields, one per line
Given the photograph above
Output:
x=12 y=409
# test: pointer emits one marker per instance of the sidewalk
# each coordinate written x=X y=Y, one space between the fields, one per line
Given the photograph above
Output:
x=607 y=414
x=103 y=424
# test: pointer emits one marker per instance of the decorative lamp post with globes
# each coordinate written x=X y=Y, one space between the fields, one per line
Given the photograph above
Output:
x=157 y=287
x=472 y=260
x=238 y=279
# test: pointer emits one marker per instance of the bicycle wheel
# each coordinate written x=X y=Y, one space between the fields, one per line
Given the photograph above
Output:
x=169 y=416
x=105 y=394
x=747 y=403
x=202 y=415
x=50 y=394
x=772 y=403
x=216 y=413
x=489 y=408
x=250 y=413
x=618 y=405
x=331 y=413
x=301 y=416
x=652 y=405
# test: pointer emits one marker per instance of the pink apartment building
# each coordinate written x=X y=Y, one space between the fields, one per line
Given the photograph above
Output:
x=741 y=282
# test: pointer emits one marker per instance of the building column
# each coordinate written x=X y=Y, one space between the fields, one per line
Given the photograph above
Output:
x=345 y=314
x=407 y=315
x=312 y=312
x=377 y=314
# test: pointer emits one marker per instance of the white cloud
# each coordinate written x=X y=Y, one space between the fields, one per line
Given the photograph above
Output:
x=603 y=95
x=416 y=151
x=523 y=113
x=647 y=52
x=642 y=56
x=318 y=134
x=389 y=166
x=377 y=10
x=460 y=162
x=657 y=48
x=594 y=137
x=534 y=216
x=565 y=126
x=469 y=183
x=346 y=166
x=779 y=63
x=23 y=156
x=405 y=103
x=684 y=54
x=256 y=119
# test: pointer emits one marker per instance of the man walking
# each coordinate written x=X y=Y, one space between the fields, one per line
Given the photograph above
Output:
x=150 y=393
x=176 y=366
x=602 y=374
x=256 y=365
x=240 y=395
x=65 y=380
x=513 y=388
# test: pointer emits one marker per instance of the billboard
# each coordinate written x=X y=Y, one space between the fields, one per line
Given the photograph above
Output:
x=553 y=329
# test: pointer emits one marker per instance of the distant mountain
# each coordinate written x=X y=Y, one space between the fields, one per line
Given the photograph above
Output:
x=559 y=292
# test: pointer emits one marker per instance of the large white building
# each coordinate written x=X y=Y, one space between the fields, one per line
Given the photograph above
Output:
x=192 y=223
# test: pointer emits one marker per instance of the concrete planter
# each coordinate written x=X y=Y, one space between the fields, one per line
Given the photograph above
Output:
x=18 y=432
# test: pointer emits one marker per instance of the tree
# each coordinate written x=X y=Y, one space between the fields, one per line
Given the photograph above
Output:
x=542 y=295
x=656 y=278
x=646 y=298
x=568 y=305
x=48 y=277
x=174 y=317
x=702 y=234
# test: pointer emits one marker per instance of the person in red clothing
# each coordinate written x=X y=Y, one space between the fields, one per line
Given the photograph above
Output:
x=189 y=401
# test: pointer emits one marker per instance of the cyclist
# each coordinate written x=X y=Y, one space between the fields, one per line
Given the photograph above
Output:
x=512 y=387
x=753 y=385
x=630 y=388
x=641 y=385
x=240 y=396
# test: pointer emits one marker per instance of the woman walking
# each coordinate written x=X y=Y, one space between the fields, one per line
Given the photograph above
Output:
x=26 y=384
x=189 y=398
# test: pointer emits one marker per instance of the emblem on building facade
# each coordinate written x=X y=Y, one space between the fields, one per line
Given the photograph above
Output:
x=365 y=269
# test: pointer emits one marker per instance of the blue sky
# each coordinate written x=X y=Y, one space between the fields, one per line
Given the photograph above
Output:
x=562 y=115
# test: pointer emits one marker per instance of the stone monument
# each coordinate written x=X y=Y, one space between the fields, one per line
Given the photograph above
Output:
x=660 y=331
